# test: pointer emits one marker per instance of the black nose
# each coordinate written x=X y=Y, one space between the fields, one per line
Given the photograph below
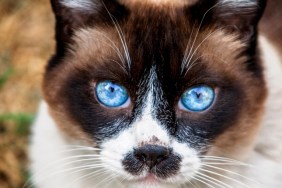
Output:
x=152 y=155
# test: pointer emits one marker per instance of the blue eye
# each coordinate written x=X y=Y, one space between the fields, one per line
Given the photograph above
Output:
x=198 y=99
x=111 y=95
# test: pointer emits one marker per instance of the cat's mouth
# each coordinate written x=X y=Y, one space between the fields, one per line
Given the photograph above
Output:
x=150 y=178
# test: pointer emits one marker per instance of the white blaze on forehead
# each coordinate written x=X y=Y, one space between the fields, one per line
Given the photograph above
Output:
x=147 y=126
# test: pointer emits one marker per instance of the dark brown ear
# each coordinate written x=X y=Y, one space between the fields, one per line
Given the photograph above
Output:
x=72 y=15
x=241 y=16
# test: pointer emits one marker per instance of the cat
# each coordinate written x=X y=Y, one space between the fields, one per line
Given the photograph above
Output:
x=160 y=94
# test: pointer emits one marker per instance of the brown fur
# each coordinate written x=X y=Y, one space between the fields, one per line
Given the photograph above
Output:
x=89 y=44
x=91 y=50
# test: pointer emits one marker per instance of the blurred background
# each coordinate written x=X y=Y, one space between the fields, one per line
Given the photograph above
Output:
x=26 y=43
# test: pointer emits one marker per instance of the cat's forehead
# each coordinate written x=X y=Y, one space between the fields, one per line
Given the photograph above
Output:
x=154 y=31
x=126 y=42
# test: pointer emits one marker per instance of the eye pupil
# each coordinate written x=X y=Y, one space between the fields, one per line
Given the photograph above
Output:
x=198 y=98
x=198 y=95
x=112 y=89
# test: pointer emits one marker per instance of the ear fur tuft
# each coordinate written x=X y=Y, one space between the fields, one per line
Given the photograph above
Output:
x=239 y=3
x=244 y=15
x=239 y=7
x=73 y=15
x=80 y=5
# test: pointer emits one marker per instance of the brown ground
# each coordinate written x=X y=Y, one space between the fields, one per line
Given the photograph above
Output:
x=26 y=43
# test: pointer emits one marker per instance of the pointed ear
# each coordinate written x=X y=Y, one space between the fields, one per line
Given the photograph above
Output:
x=72 y=15
x=241 y=16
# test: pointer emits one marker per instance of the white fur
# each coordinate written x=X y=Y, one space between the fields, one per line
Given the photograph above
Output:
x=52 y=156
x=239 y=3
x=272 y=131
x=81 y=5
x=48 y=143
x=237 y=7
x=267 y=153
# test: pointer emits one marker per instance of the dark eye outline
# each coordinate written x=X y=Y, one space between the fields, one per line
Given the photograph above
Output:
x=125 y=103
x=184 y=107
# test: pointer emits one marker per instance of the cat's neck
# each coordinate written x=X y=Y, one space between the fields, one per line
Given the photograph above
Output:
x=271 y=130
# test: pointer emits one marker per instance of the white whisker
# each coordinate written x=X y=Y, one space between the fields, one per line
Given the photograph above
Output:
x=203 y=182
x=215 y=180
x=110 y=178
x=202 y=42
x=79 y=148
x=203 y=18
x=208 y=180
x=224 y=163
x=81 y=160
x=186 y=50
x=190 y=182
x=192 y=64
x=226 y=177
x=218 y=168
x=73 y=157
x=121 y=36
x=116 y=49
x=97 y=172
x=77 y=169
x=224 y=159
x=120 y=65
x=54 y=164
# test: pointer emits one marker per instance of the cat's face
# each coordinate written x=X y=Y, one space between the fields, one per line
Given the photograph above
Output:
x=157 y=86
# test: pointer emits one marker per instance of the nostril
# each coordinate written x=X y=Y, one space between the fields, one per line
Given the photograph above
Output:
x=152 y=155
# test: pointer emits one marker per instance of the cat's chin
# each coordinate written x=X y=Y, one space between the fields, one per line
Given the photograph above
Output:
x=150 y=181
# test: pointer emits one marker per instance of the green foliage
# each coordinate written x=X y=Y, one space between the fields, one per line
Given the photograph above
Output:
x=22 y=121
x=7 y=69
x=5 y=76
